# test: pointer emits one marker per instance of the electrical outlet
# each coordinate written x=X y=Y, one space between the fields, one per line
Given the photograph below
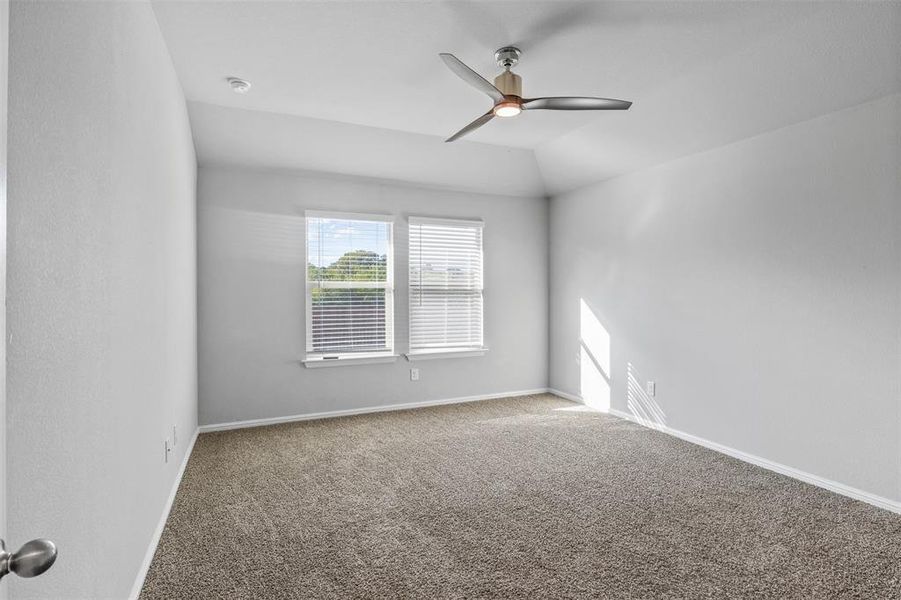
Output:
x=168 y=447
x=651 y=389
x=414 y=374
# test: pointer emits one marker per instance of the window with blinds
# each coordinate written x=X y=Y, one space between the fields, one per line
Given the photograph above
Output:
x=445 y=285
x=350 y=285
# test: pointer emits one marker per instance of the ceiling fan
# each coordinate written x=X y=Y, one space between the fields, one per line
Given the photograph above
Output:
x=507 y=92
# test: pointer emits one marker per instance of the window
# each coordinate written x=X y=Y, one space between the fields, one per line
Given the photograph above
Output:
x=445 y=287
x=350 y=287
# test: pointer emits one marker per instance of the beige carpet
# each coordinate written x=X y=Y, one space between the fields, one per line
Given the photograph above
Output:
x=520 y=498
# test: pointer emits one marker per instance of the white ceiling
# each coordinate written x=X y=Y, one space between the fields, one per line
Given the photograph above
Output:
x=700 y=74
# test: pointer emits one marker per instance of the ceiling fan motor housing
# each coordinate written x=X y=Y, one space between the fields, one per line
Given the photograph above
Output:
x=509 y=84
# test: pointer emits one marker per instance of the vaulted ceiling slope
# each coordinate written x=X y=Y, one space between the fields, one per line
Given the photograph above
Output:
x=358 y=88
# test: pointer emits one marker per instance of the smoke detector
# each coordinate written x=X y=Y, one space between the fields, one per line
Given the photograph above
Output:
x=239 y=86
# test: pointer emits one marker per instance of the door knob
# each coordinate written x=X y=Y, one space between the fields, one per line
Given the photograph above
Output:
x=30 y=560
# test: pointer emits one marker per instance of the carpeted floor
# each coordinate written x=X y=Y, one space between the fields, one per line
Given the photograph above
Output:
x=527 y=497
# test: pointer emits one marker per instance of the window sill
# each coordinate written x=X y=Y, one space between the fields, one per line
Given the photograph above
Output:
x=449 y=353
x=317 y=362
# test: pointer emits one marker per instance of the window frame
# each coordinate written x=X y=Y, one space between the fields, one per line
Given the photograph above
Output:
x=313 y=359
x=445 y=352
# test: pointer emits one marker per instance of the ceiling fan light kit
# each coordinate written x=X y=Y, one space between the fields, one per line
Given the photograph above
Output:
x=507 y=92
x=506 y=109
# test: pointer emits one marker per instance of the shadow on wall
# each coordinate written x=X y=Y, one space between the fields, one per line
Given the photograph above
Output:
x=266 y=237
x=594 y=359
x=643 y=407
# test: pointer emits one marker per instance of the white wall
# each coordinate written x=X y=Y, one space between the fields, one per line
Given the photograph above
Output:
x=759 y=284
x=251 y=296
x=4 y=64
x=268 y=140
x=102 y=299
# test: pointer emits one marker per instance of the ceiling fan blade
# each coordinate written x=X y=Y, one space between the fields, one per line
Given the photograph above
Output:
x=472 y=126
x=471 y=77
x=575 y=103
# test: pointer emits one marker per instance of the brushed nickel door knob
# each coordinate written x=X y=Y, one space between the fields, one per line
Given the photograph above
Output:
x=32 y=559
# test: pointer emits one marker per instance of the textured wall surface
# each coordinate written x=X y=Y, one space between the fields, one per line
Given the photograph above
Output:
x=102 y=296
x=251 y=296
x=4 y=63
x=758 y=284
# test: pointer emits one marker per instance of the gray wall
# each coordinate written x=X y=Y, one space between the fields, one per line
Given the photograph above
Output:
x=102 y=273
x=251 y=296
x=758 y=284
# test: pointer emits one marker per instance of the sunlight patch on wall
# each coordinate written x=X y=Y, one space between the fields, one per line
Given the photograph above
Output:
x=642 y=406
x=594 y=359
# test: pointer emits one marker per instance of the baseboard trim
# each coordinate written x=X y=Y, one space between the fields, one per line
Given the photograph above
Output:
x=821 y=482
x=362 y=411
x=566 y=395
x=158 y=533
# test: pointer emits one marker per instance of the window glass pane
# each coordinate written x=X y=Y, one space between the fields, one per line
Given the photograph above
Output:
x=344 y=250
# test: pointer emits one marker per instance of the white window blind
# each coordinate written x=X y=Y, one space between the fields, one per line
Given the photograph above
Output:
x=445 y=285
x=350 y=285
